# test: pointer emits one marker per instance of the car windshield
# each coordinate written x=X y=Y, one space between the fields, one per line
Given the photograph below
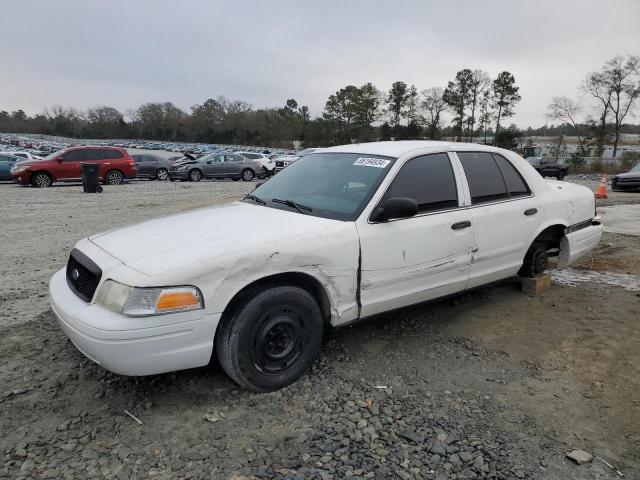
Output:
x=329 y=185
x=51 y=156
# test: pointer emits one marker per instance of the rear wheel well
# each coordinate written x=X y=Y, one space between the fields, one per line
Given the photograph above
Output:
x=550 y=237
x=294 y=279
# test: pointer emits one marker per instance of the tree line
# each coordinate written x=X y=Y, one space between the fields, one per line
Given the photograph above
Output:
x=353 y=113
x=478 y=104
x=613 y=91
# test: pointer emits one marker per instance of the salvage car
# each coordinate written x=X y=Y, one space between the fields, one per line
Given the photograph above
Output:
x=153 y=167
x=114 y=165
x=338 y=236
x=626 y=181
x=547 y=167
x=263 y=159
x=216 y=166
x=7 y=162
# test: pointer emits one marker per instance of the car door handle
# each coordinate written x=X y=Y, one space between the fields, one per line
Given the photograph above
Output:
x=531 y=211
x=461 y=225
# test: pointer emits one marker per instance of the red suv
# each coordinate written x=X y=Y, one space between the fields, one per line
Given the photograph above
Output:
x=115 y=165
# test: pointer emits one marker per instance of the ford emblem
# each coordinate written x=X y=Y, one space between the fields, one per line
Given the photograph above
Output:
x=75 y=274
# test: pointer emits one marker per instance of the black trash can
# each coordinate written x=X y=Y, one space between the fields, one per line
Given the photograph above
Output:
x=91 y=178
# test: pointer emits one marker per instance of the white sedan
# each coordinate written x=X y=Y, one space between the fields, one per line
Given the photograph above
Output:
x=338 y=236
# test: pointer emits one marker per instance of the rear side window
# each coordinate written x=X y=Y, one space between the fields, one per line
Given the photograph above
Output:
x=96 y=154
x=75 y=156
x=515 y=183
x=251 y=156
x=429 y=180
x=484 y=177
x=112 y=154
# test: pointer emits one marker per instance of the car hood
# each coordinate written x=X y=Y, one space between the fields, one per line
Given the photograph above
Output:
x=167 y=243
x=628 y=175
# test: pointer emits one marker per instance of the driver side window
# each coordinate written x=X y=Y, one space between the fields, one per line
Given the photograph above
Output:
x=429 y=180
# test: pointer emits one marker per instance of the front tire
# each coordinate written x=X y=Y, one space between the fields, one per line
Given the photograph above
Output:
x=195 y=175
x=535 y=261
x=248 y=175
x=114 y=177
x=271 y=339
x=560 y=176
x=41 y=180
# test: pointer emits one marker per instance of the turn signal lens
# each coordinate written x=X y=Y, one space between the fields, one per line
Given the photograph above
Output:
x=155 y=301
x=178 y=300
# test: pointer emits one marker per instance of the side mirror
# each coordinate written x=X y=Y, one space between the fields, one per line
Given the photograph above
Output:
x=395 y=207
x=60 y=159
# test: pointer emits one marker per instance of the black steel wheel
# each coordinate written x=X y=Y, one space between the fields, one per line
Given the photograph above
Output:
x=271 y=339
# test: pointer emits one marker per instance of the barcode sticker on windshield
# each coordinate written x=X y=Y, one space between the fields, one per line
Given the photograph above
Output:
x=372 y=162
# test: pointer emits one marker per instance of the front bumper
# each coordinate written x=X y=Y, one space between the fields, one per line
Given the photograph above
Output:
x=626 y=185
x=179 y=174
x=23 y=178
x=130 y=345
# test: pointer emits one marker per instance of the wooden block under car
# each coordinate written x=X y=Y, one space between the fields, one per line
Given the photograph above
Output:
x=536 y=285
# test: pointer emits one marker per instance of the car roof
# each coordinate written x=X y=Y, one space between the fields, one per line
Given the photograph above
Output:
x=95 y=147
x=400 y=147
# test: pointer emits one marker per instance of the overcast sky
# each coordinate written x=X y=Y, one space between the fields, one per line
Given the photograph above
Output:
x=123 y=53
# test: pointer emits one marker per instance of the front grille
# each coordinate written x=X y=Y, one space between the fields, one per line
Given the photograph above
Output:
x=83 y=275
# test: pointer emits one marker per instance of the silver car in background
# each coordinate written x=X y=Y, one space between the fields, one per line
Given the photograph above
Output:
x=216 y=166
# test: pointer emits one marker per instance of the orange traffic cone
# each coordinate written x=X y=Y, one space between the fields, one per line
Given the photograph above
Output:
x=602 y=189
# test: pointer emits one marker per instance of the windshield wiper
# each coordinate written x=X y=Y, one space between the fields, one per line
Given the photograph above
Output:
x=290 y=203
x=259 y=201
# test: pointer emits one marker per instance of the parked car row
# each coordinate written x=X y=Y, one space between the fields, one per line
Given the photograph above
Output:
x=116 y=165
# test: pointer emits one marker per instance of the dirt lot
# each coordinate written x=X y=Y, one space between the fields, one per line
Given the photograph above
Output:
x=490 y=384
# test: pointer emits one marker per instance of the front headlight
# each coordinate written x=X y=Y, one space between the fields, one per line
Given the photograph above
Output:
x=139 y=302
x=19 y=169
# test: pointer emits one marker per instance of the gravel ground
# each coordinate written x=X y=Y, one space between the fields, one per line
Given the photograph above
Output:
x=490 y=384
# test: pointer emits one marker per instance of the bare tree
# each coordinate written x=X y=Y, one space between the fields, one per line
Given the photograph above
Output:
x=595 y=85
x=433 y=105
x=566 y=110
x=622 y=78
x=480 y=81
